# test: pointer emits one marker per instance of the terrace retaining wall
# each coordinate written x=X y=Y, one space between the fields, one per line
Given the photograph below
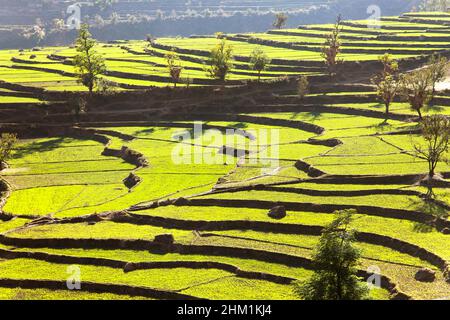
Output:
x=96 y=288
x=417 y=216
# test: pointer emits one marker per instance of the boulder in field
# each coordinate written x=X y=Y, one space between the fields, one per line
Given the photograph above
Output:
x=129 y=267
x=425 y=275
x=131 y=181
x=278 y=212
x=165 y=239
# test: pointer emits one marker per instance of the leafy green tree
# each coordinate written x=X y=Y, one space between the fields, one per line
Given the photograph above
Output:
x=335 y=259
x=7 y=142
x=416 y=88
x=437 y=66
x=89 y=65
x=259 y=61
x=174 y=66
x=332 y=47
x=220 y=61
x=436 y=133
x=387 y=83
x=280 y=20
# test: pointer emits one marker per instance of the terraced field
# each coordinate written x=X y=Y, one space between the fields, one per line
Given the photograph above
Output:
x=96 y=192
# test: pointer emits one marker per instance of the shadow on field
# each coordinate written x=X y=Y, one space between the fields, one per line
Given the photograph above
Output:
x=434 y=108
x=435 y=210
x=146 y=131
x=37 y=146
x=314 y=115
x=239 y=125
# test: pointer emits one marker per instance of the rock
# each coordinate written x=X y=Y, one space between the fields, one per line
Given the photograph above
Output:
x=131 y=181
x=425 y=275
x=166 y=239
x=5 y=216
x=399 y=296
x=446 y=231
x=129 y=267
x=33 y=56
x=181 y=201
x=278 y=212
x=221 y=180
x=117 y=216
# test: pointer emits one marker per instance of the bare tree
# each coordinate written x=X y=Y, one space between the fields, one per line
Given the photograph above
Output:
x=280 y=20
x=437 y=67
x=174 y=66
x=416 y=89
x=436 y=133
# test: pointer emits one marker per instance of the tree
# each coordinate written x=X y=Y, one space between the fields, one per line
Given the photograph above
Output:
x=150 y=39
x=175 y=68
x=434 y=5
x=259 y=61
x=303 y=86
x=335 y=259
x=387 y=83
x=436 y=133
x=58 y=24
x=89 y=65
x=220 y=61
x=99 y=21
x=280 y=20
x=7 y=142
x=114 y=18
x=79 y=106
x=36 y=33
x=437 y=66
x=332 y=47
x=104 y=4
x=416 y=89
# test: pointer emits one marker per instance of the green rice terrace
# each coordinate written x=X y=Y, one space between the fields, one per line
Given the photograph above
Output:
x=101 y=190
